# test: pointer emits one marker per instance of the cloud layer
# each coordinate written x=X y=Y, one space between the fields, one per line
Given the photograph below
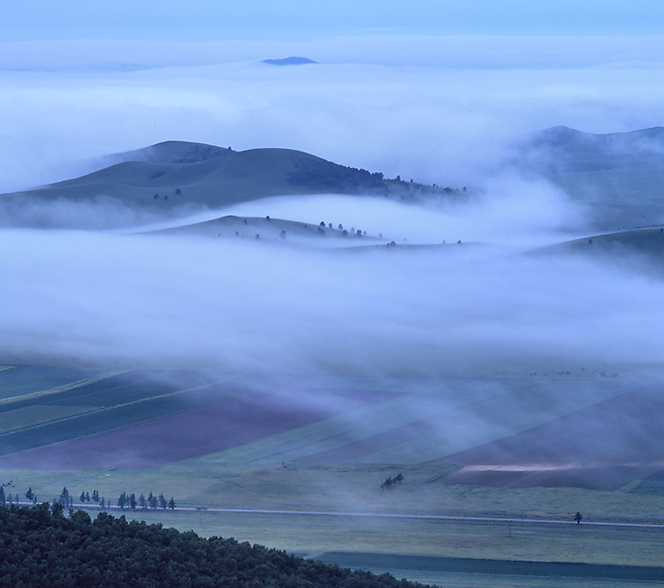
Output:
x=437 y=110
x=149 y=301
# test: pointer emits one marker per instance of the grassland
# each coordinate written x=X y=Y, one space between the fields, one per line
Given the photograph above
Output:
x=308 y=443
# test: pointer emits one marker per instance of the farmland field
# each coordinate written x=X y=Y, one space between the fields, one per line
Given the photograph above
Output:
x=497 y=448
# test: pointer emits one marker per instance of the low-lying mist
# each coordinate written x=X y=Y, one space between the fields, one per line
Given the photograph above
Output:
x=96 y=299
x=99 y=213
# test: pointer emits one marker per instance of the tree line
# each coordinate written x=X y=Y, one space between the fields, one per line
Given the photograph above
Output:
x=66 y=499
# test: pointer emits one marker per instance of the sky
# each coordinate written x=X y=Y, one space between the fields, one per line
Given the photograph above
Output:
x=211 y=20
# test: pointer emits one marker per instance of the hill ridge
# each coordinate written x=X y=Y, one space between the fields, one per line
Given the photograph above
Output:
x=167 y=176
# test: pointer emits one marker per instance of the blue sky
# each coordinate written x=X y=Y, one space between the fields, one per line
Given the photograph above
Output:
x=220 y=20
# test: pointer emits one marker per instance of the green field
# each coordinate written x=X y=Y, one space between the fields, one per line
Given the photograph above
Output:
x=352 y=434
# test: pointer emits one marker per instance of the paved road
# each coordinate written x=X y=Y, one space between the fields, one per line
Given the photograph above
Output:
x=414 y=516
x=380 y=515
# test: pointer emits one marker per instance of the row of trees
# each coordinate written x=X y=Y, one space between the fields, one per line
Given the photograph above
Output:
x=66 y=499
x=152 y=501
x=9 y=498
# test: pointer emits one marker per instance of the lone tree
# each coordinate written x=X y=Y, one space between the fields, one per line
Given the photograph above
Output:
x=578 y=517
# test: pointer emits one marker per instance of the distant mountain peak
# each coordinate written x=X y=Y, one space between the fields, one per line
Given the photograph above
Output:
x=289 y=61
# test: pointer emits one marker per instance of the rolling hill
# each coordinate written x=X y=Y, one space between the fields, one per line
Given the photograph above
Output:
x=176 y=177
x=645 y=244
x=273 y=229
x=620 y=176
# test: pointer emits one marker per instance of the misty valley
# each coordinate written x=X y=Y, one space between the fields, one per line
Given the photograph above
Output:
x=299 y=352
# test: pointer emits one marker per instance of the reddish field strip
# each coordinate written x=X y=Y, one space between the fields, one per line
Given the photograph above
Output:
x=195 y=432
x=604 y=446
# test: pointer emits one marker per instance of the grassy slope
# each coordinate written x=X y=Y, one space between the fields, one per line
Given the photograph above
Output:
x=636 y=247
x=172 y=175
x=273 y=229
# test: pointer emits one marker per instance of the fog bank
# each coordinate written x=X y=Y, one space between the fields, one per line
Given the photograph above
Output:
x=95 y=299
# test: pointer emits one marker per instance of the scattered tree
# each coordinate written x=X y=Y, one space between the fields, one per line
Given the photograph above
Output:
x=391 y=481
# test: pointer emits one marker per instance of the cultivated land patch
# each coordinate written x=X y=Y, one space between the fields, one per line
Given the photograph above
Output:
x=181 y=436
x=603 y=446
x=28 y=416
